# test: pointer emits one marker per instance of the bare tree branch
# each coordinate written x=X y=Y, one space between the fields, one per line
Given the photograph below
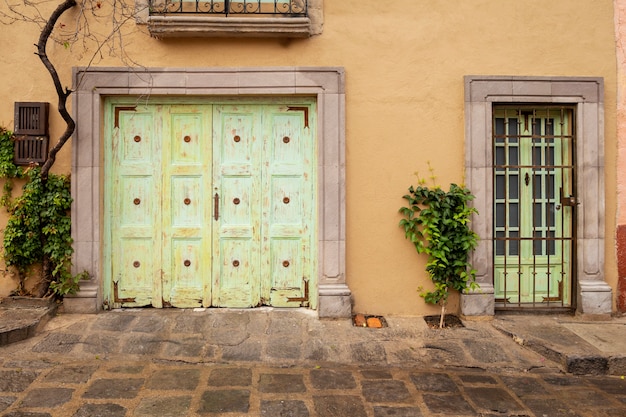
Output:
x=79 y=29
x=69 y=33
x=62 y=94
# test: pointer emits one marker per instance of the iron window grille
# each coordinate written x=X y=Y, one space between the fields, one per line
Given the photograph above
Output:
x=279 y=8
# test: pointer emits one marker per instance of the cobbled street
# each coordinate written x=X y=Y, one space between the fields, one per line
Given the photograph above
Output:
x=285 y=363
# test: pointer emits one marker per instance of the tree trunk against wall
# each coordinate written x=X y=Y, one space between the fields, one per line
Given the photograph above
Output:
x=62 y=93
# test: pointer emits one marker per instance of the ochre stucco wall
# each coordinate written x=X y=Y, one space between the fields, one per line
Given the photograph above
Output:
x=404 y=62
x=620 y=42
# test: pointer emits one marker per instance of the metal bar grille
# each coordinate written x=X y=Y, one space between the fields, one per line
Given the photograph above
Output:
x=282 y=8
x=534 y=235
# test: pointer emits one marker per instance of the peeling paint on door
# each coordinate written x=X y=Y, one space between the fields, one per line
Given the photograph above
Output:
x=210 y=205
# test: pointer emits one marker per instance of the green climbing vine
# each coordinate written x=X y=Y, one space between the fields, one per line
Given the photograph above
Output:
x=437 y=223
x=39 y=223
x=8 y=170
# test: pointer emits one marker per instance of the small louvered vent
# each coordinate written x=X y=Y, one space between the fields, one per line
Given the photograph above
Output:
x=29 y=149
x=31 y=118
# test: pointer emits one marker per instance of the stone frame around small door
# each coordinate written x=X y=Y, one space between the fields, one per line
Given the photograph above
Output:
x=92 y=85
x=592 y=295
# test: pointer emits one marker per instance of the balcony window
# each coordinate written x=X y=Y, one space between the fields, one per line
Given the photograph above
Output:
x=279 y=8
x=231 y=18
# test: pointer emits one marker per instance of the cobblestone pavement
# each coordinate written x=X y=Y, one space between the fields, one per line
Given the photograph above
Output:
x=149 y=388
x=274 y=363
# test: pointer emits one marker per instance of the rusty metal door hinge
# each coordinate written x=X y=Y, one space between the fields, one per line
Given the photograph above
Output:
x=304 y=301
x=117 y=111
x=303 y=109
x=116 y=295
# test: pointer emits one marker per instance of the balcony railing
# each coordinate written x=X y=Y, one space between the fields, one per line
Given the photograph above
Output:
x=279 y=8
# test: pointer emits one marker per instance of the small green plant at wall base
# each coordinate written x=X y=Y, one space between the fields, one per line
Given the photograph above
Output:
x=437 y=222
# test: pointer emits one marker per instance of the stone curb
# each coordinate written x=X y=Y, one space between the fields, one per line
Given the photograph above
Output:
x=576 y=364
x=22 y=317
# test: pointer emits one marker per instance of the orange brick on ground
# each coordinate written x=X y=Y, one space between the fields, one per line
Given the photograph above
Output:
x=374 y=322
x=359 y=320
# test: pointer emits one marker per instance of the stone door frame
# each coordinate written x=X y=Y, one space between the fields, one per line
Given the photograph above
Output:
x=92 y=85
x=591 y=294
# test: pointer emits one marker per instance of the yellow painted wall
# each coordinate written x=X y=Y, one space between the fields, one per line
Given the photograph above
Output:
x=620 y=42
x=404 y=61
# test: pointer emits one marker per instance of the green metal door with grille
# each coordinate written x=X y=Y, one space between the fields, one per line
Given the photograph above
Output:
x=534 y=204
x=209 y=205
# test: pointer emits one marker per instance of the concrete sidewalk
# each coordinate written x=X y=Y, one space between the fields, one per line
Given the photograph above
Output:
x=276 y=337
x=572 y=344
x=580 y=346
x=274 y=362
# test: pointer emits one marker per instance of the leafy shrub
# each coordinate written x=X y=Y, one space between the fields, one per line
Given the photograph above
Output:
x=39 y=224
x=437 y=222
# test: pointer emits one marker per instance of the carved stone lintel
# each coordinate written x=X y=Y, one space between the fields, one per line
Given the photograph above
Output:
x=209 y=26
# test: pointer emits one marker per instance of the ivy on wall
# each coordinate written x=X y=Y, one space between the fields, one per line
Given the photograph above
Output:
x=8 y=170
x=39 y=223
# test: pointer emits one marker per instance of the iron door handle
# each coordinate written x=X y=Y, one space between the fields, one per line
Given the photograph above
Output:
x=569 y=201
x=216 y=206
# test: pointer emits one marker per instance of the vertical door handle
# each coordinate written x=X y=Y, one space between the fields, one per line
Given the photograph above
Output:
x=216 y=206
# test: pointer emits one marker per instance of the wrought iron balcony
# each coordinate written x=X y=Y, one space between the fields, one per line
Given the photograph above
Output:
x=277 y=8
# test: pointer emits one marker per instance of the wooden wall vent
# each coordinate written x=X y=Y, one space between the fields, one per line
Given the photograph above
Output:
x=31 y=118
x=30 y=149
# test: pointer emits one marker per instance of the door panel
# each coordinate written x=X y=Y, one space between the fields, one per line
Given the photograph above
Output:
x=187 y=159
x=187 y=202
x=191 y=135
x=286 y=201
x=135 y=202
x=187 y=267
x=287 y=271
x=135 y=271
x=238 y=272
x=237 y=190
x=289 y=213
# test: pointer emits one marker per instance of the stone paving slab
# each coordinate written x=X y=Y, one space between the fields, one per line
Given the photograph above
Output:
x=596 y=335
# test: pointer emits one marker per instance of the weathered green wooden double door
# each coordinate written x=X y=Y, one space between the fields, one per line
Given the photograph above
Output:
x=210 y=205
